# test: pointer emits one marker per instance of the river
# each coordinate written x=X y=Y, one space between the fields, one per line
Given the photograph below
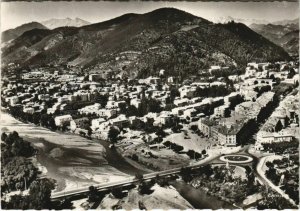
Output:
x=76 y=161
x=70 y=159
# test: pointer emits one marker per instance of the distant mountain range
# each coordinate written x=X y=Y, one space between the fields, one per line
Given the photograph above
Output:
x=226 y=19
x=49 y=24
x=16 y=32
x=55 y=23
x=283 y=33
x=248 y=22
x=142 y=44
x=286 y=22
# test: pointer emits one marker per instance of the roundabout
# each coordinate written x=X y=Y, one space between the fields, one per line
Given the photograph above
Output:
x=237 y=159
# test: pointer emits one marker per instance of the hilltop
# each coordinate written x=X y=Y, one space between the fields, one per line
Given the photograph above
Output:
x=16 y=32
x=55 y=23
x=141 y=44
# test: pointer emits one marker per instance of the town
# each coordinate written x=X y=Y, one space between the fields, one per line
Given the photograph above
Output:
x=164 y=122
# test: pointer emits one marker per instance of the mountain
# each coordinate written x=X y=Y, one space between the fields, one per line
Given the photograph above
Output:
x=16 y=32
x=226 y=19
x=286 y=22
x=285 y=35
x=142 y=44
x=55 y=23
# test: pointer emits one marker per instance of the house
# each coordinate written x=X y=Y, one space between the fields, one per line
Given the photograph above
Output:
x=44 y=97
x=214 y=67
x=82 y=95
x=62 y=120
x=178 y=111
x=274 y=137
x=187 y=91
x=63 y=99
x=181 y=102
x=250 y=72
x=205 y=126
x=114 y=104
x=95 y=77
x=28 y=110
x=222 y=111
x=79 y=123
x=12 y=100
x=96 y=123
x=227 y=136
x=107 y=113
x=121 y=121
x=170 y=80
x=165 y=118
x=135 y=102
x=231 y=130
x=190 y=112
x=150 y=80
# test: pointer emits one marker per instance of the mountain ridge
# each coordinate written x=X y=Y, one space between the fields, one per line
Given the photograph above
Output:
x=64 y=22
x=284 y=35
x=11 y=34
x=140 y=44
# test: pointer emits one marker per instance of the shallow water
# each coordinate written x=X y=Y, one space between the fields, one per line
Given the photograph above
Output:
x=70 y=158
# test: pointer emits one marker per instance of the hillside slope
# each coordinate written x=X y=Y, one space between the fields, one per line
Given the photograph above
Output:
x=141 y=44
x=284 y=34
x=16 y=32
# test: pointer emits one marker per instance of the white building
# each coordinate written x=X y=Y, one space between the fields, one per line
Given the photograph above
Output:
x=61 y=120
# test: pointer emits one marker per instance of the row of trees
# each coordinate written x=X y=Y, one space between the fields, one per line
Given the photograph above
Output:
x=280 y=147
x=195 y=155
x=227 y=72
x=213 y=91
x=44 y=119
x=175 y=147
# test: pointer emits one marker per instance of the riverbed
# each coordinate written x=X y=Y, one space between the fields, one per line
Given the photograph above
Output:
x=71 y=160
x=74 y=161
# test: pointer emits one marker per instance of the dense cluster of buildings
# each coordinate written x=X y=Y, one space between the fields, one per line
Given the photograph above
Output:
x=99 y=104
x=231 y=130
x=283 y=124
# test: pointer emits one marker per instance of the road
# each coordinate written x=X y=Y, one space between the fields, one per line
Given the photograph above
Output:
x=267 y=182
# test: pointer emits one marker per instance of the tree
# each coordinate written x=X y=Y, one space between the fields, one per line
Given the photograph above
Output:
x=160 y=133
x=208 y=171
x=3 y=137
x=40 y=193
x=131 y=111
x=44 y=120
x=102 y=99
x=122 y=108
x=194 y=128
x=117 y=193
x=89 y=131
x=52 y=124
x=185 y=173
x=273 y=200
x=203 y=152
x=92 y=194
x=177 y=128
x=145 y=187
x=291 y=73
x=113 y=134
x=173 y=94
x=139 y=177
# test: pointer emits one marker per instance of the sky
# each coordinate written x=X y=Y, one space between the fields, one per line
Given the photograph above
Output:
x=14 y=14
